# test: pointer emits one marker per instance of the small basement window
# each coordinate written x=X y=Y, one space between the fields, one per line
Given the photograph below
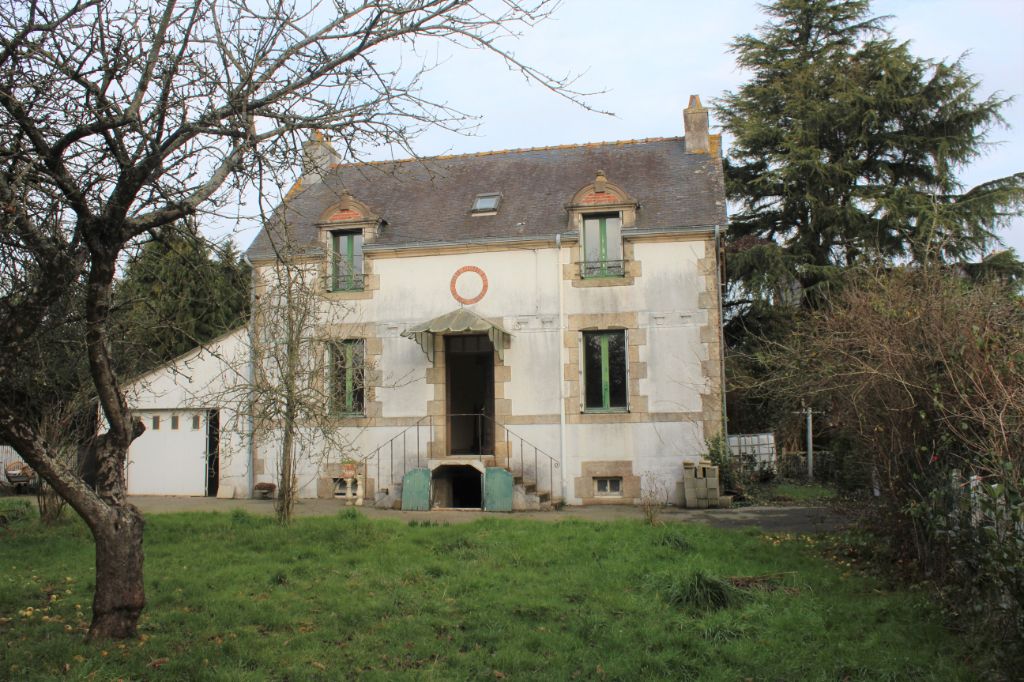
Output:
x=486 y=203
x=608 y=486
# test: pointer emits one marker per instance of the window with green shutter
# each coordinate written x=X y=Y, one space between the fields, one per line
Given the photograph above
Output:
x=346 y=261
x=346 y=376
x=602 y=246
x=604 y=371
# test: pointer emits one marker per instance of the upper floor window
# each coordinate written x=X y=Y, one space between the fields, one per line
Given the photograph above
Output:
x=346 y=260
x=604 y=371
x=602 y=246
x=346 y=380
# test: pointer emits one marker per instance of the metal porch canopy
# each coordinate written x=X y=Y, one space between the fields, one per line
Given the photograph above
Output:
x=458 y=321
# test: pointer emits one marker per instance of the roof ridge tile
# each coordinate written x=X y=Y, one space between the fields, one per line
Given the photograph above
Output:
x=518 y=150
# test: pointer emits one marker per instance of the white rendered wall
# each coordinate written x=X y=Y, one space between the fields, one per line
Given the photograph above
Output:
x=523 y=295
x=164 y=462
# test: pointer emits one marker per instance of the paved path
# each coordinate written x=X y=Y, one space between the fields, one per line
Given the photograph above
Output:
x=769 y=519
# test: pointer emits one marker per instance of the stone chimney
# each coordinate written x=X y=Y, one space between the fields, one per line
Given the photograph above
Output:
x=318 y=155
x=695 y=127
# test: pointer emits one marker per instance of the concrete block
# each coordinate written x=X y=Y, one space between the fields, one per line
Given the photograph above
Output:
x=225 y=492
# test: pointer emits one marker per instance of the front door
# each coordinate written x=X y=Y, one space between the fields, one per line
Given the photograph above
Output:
x=469 y=359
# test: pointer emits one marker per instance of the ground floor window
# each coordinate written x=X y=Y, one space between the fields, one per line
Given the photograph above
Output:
x=346 y=376
x=608 y=486
x=604 y=370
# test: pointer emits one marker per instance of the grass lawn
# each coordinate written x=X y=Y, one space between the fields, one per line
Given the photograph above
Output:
x=789 y=493
x=235 y=597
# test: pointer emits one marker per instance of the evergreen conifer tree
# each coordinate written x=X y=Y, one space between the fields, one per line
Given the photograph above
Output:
x=178 y=292
x=845 y=150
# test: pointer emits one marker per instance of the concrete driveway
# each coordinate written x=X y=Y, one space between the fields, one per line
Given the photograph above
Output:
x=768 y=519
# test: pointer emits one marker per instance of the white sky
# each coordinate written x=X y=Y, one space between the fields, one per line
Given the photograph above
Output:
x=650 y=55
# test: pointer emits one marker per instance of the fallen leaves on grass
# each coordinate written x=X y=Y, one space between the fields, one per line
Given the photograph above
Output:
x=762 y=583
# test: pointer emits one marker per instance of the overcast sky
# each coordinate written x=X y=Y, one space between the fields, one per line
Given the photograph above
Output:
x=650 y=55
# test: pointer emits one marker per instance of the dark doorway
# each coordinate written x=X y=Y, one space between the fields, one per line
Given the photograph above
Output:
x=469 y=360
x=457 y=487
x=212 y=452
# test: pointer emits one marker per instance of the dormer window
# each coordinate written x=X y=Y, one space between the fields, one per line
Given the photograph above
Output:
x=599 y=212
x=486 y=204
x=346 y=260
x=343 y=230
x=602 y=245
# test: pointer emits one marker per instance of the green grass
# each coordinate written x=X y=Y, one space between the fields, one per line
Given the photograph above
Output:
x=236 y=597
x=782 y=492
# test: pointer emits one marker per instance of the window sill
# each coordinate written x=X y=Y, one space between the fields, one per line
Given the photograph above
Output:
x=615 y=275
x=608 y=410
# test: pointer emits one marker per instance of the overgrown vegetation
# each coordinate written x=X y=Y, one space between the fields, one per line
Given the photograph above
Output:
x=240 y=597
x=921 y=374
x=178 y=291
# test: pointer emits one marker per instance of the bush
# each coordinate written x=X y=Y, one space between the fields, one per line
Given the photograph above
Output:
x=920 y=377
x=697 y=591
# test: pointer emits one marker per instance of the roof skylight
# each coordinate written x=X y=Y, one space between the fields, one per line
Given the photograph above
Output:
x=486 y=203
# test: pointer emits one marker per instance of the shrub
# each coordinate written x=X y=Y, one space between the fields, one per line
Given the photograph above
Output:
x=920 y=376
x=697 y=591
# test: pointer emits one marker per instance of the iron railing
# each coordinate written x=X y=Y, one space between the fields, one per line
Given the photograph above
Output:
x=344 y=280
x=529 y=464
x=605 y=268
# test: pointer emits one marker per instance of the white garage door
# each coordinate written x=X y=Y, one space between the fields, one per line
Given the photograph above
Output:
x=170 y=457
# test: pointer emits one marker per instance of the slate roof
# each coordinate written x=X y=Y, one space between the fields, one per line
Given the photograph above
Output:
x=428 y=200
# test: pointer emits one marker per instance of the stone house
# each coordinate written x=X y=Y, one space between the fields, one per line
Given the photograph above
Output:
x=519 y=327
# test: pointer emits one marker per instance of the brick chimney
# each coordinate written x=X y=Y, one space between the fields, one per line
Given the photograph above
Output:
x=695 y=127
x=318 y=155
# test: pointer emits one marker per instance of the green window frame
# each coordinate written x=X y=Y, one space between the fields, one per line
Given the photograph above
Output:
x=605 y=378
x=347 y=373
x=346 y=261
x=602 y=245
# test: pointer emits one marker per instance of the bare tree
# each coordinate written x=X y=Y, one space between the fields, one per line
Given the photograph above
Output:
x=302 y=381
x=117 y=119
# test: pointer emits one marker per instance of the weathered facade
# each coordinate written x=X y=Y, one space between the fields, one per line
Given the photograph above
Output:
x=538 y=324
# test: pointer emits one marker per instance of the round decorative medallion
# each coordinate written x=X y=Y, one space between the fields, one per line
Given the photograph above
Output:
x=469 y=284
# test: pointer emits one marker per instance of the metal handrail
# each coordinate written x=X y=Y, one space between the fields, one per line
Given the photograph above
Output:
x=524 y=455
x=526 y=449
x=390 y=446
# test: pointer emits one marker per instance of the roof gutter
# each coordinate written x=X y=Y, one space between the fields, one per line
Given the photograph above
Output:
x=559 y=237
x=719 y=263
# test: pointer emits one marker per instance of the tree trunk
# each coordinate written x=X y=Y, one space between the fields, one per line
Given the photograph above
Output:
x=120 y=593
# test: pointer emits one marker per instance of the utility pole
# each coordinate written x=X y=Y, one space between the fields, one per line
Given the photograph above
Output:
x=810 y=445
x=809 y=414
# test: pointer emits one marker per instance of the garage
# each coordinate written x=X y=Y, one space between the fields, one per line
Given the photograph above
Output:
x=177 y=455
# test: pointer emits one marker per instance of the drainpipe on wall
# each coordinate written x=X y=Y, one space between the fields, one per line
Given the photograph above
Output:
x=561 y=362
x=721 y=329
x=252 y=373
